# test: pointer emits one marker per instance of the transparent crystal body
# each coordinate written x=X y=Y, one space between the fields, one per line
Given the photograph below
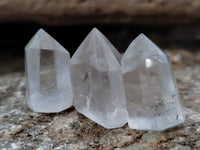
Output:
x=98 y=82
x=151 y=92
x=48 y=79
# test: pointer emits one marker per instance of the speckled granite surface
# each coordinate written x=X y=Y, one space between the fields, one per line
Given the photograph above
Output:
x=22 y=129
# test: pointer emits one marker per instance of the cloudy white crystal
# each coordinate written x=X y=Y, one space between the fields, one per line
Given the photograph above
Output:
x=98 y=82
x=151 y=92
x=49 y=86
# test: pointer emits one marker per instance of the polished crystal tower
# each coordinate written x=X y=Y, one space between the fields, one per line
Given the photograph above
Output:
x=48 y=82
x=98 y=82
x=151 y=92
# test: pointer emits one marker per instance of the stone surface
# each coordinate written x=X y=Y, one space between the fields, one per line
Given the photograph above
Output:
x=21 y=128
x=90 y=11
x=97 y=81
x=151 y=93
x=47 y=64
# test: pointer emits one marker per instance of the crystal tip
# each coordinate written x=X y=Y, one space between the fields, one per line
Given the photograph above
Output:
x=95 y=29
x=41 y=31
x=142 y=35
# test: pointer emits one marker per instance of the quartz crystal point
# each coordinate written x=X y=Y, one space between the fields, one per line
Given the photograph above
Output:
x=151 y=92
x=49 y=86
x=98 y=82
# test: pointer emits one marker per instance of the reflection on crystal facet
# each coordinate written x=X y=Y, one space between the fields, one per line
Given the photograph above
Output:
x=47 y=72
x=151 y=92
x=98 y=82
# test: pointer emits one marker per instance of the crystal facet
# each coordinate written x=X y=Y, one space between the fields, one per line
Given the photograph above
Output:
x=151 y=92
x=49 y=86
x=97 y=81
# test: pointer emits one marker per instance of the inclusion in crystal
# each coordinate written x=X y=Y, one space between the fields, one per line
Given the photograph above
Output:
x=48 y=83
x=151 y=93
x=98 y=82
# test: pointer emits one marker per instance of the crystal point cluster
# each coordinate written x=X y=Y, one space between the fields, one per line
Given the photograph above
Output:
x=97 y=81
x=151 y=92
x=47 y=72
x=138 y=88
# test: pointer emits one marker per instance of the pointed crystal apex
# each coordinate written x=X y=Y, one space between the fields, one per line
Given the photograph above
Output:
x=151 y=92
x=42 y=40
x=48 y=81
x=112 y=48
x=98 y=83
x=142 y=48
x=95 y=30
x=97 y=44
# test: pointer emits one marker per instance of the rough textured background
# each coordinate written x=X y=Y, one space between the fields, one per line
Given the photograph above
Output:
x=101 y=11
x=22 y=129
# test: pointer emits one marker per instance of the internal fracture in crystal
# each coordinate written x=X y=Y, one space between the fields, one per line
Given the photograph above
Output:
x=151 y=92
x=97 y=81
x=47 y=65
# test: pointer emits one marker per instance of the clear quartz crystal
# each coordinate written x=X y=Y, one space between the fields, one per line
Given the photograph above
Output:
x=151 y=93
x=98 y=82
x=47 y=64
